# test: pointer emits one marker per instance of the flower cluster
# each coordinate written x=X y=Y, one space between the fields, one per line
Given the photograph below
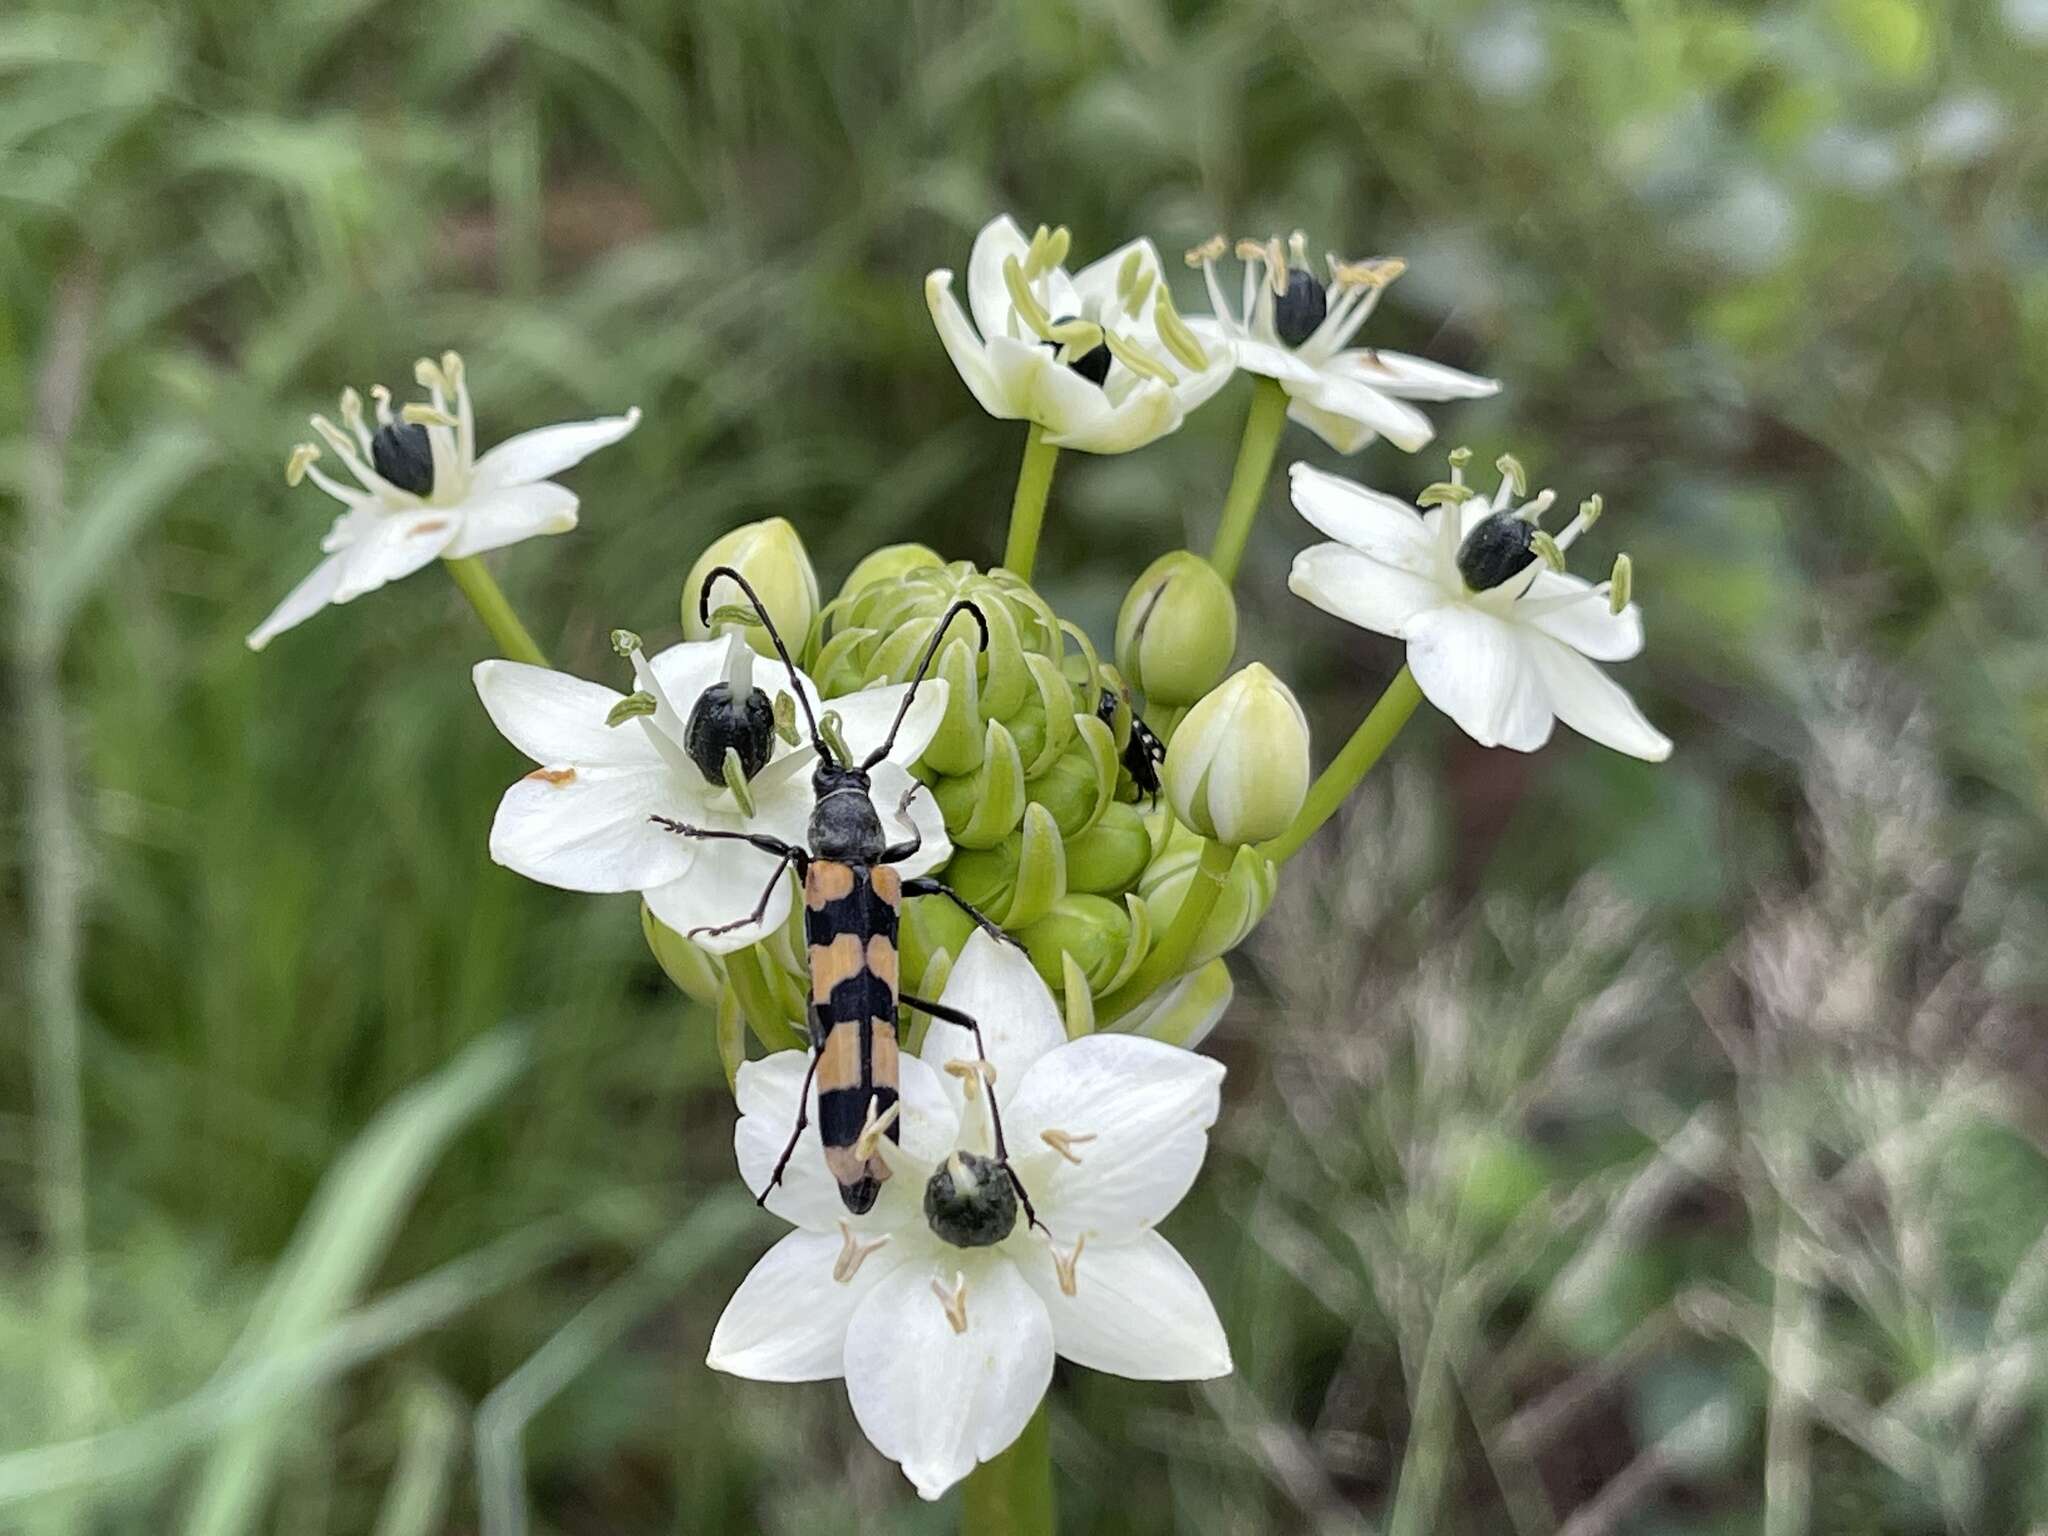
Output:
x=965 y=878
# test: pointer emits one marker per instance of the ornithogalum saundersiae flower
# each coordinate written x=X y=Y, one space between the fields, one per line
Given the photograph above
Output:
x=1500 y=637
x=422 y=492
x=943 y=1307
x=691 y=744
x=1297 y=330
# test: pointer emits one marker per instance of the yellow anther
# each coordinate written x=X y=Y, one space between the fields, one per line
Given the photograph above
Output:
x=1459 y=458
x=451 y=370
x=1023 y=300
x=428 y=374
x=1064 y=1142
x=876 y=1128
x=1140 y=290
x=1590 y=510
x=1079 y=337
x=1056 y=247
x=336 y=439
x=1173 y=331
x=1621 y=584
x=1276 y=266
x=954 y=1300
x=295 y=466
x=1034 y=256
x=968 y=1070
x=853 y=1253
x=380 y=397
x=426 y=416
x=1511 y=471
x=1063 y=1264
x=1252 y=250
x=351 y=409
x=1137 y=359
x=1547 y=550
x=1375 y=272
x=1211 y=249
x=1127 y=273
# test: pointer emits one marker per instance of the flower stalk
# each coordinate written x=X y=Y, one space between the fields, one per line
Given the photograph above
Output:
x=1027 y=507
x=1375 y=733
x=495 y=609
x=1262 y=428
x=1011 y=1495
x=1169 y=958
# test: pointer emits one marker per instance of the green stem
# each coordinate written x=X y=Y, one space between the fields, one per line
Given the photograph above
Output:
x=1373 y=736
x=1012 y=1495
x=489 y=601
x=1027 y=507
x=1248 y=481
x=1169 y=957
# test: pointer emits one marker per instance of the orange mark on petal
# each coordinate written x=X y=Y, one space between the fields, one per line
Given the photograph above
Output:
x=554 y=775
x=432 y=525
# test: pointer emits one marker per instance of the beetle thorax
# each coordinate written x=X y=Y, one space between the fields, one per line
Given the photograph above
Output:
x=844 y=826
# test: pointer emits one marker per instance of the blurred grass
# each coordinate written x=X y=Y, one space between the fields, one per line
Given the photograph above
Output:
x=1771 y=277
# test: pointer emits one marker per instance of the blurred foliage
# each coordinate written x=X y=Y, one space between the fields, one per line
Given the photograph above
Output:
x=1771 y=277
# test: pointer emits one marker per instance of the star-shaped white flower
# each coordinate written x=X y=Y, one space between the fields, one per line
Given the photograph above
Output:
x=423 y=493
x=583 y=820
x=1300 y=335
x=1100 y=360
x=947 y=1350
x=1497 y=639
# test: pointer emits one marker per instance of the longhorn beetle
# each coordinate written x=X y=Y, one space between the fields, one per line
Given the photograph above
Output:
x=853 y=907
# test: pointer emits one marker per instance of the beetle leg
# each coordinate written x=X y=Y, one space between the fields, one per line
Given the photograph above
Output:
x=760 y=908
x=767 y=844
x=924 y=885
x=803 y=1118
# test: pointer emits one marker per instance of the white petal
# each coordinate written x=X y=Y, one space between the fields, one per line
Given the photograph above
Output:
x=1410 y=378
x=545 y=451
x=555 y=718
x=1196 y=389
x=788 y=1319
x=995 y=984
x=1149 y=1105
x=1474 y=667
x=587 y=829
x=1400 y=424
x=1370 y=521
x=1096 y=284
x=1043 y=389
x=395 y=545
x=1137 y=1310
x=970 y=358
x=1143 y=416
x=1593 y=704
x=808 y=1197
x=301 y=603
x=1340 y=432
x=935 y=1401
x=1587 y=626
x=987 y=294
x=724 y=883
x=1264 y=357
x=1185 y=1013
x=865 y=718
x=1360 y=590
x=889 y=787
x=494 y=519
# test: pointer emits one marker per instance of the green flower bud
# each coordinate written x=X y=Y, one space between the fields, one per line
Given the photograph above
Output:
x=1093 y=931
x=1017 y=881
x=689 y=967
x=890 y=563
x=1177 y=629
x=1081 y=784
x=1184 y=1013
x=1247 y=893
x=771 y=557
x=1237 y=767
x=1112 y=854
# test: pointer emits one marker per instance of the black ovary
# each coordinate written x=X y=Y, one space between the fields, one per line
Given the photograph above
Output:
x=401 y=452
x=718 y=721
x=1301 y=309
x=1092 y=365
x=971 y=1218
x=1495 y=550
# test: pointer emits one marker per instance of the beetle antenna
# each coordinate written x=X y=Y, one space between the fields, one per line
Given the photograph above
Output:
x=924 y=665
x=795 y=683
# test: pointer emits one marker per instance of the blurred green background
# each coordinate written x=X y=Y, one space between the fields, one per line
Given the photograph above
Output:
x=1606 y=1148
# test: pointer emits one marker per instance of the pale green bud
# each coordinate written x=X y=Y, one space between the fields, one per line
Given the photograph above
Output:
x=771 y=557
x=1017 y=881
x=690 y=968
x=1093 y=931
x=1177 y=629
x=1184 y=1013
x=1081 y=784
x=892 y=562
x=1110 y=855
x=1247 y=893
x=1237 y=769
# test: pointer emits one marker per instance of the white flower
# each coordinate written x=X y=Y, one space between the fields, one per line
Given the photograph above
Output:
x=1300 y=335
x=1100 y=360
x=582 y=820
x=1497 y=639
x=947 y=1350
x=424 y=492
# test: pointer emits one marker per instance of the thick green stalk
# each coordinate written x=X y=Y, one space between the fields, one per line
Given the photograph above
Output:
x=1012 y=1494
x=491 y=605
x=1374 y=734
x=1169 y=957
x=1027 y=507
x=1262 y=428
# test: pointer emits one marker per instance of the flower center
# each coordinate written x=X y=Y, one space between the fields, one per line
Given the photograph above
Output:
x=1092 y=365
x=721 y=721
x=1301 y=310
x=403 y=455
x=1499 y=547
x=970 y=1202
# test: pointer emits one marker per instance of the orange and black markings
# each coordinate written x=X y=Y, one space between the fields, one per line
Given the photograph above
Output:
x=851 y=916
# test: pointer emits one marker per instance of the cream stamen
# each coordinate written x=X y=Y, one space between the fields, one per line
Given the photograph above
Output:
x=1063 y=1264
x=854 y=1253
x=1064 y=1142
x=953 y=1300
